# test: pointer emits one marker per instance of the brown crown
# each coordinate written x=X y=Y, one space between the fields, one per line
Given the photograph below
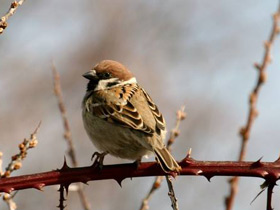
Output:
x=115 y=68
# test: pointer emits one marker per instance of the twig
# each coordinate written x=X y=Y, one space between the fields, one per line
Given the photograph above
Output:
x=1 y=163
x=9 y=200
x=16 y=164
x=180 y=115
x=171 y=193
x=12 y=10
x=266 y=170
x=27 y=144
x=67 y=133
x=245 y=131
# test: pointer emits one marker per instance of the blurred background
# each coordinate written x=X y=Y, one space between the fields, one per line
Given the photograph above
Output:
x=183 y=52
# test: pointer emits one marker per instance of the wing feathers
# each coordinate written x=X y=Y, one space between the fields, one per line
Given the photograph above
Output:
x=115 y=106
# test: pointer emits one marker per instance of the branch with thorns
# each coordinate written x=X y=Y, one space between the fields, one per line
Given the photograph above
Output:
x=270 y=171
x=11 y=11
x=253 y=98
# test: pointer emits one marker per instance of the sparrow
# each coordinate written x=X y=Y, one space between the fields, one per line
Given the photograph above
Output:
x=120 y=117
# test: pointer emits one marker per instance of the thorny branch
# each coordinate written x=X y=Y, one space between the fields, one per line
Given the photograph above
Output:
x=67 y=132
x=12 y=10
x=270 y=171
x=253 y=98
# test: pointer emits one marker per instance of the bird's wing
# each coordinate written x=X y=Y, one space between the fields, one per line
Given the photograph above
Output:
x=115 y=106
x=160 y=122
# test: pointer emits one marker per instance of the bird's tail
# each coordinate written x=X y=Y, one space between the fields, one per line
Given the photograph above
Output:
x=166 y=161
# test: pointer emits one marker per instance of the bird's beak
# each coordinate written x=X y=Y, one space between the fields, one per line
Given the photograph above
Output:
x=91 y=75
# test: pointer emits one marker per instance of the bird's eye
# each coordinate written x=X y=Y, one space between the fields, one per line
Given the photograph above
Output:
x=106 y=75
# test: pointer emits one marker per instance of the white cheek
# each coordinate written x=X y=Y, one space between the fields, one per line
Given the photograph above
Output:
x=102 y=84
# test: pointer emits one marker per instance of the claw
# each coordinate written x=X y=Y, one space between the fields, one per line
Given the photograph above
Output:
x=137 y=163
x=99 y=158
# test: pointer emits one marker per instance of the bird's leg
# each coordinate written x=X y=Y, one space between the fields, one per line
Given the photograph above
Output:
x=137 y=162
x=99 y=158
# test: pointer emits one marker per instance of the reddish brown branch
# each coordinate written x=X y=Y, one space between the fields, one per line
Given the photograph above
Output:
x=268 y=170
x=253 y=98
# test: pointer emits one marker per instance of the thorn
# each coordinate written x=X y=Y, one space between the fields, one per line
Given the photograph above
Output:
x=61 y=206
x=208 y=177
x=199 y=172
x=264 y=174
x=186 y=161
x=119 y=180
x=189 y=153
x=65 y=166
x=257 y=196
x=85 y=181
x=66 y=186
x=39 y=186
x=278 y=160
x=257 y=163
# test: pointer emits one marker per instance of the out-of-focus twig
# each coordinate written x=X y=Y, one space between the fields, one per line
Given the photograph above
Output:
x=180 y=115
x=12 y=10
x=16 y=164
x=9 y=200
x=16 y=161
x=171 y=193
x=1 y=163
x=253 y=98
x=67 y=132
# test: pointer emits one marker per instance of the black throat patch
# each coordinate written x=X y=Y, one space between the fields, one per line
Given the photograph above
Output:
x=92 y=84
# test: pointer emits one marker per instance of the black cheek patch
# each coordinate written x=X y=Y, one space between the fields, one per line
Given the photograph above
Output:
x=110 y=84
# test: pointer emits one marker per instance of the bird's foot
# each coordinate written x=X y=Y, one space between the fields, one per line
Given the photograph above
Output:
x=99 y=158
x=137 y=163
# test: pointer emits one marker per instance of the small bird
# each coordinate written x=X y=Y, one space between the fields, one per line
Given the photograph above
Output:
x=120 y=117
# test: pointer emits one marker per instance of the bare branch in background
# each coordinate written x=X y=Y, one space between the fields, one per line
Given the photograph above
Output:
x=1 y=163
x=16 y=161
x=16 y=164
x=67 y=132
x=171 y=193
x=9 y=200
x=12 y=10
x=180 y=115
x=253 y=98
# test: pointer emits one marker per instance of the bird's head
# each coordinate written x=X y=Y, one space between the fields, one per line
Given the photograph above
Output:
x=108 y=74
